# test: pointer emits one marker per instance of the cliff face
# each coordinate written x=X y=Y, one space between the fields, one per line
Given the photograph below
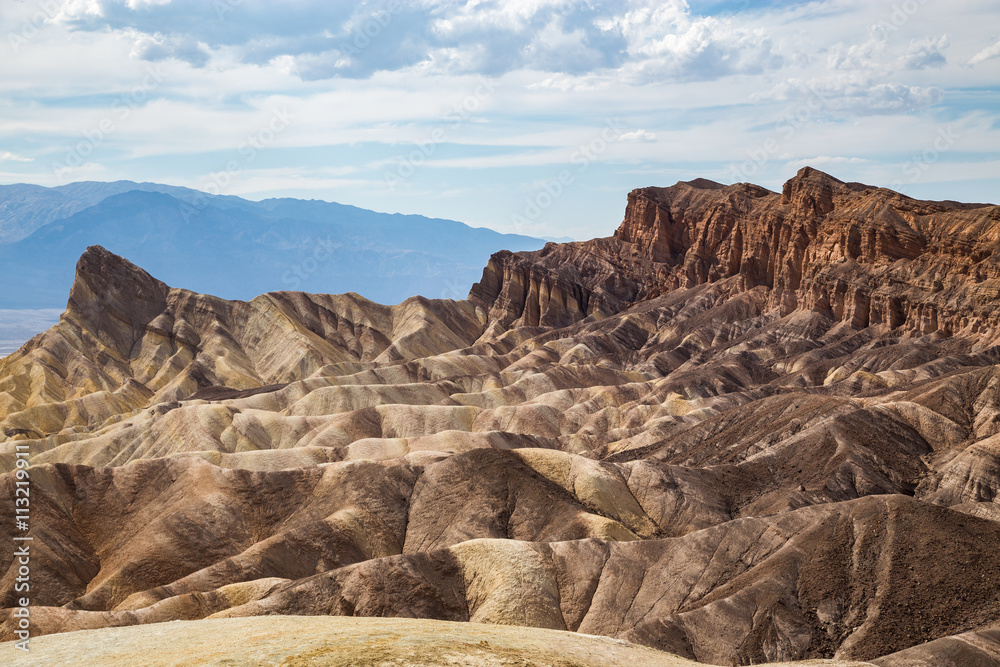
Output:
x=857 y=254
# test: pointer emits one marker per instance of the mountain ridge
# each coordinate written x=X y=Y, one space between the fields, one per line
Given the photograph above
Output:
x=239 y=249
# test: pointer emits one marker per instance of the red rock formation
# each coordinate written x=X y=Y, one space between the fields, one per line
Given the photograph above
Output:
x=857 y=254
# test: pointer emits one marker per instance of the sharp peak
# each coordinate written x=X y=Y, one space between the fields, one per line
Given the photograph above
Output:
x=814 y=175
x=98 y=266
x=702 y=184
x=99 y=252
x=115 y=298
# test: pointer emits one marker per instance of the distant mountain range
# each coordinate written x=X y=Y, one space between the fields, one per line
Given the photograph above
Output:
x=233 y=247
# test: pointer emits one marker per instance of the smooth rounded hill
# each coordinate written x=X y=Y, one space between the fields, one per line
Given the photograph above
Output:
x=297 y=641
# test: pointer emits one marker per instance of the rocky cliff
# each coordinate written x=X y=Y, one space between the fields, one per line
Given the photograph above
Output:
x=854 y=253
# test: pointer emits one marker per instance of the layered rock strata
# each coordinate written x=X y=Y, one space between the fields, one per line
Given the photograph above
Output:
x=748 y=427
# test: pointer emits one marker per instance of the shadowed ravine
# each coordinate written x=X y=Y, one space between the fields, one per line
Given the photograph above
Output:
x=748 y=427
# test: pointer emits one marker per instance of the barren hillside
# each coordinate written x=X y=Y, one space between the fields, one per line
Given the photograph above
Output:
x=749 y=427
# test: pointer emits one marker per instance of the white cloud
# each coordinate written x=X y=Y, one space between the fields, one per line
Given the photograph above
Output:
x=88 y=171
x=879 y=54
x=852 y=93
x=259 y=183
x=988 y=53
x=643 y=40
x=825 y=160
x=157 y=47
x=924 y=53
x=74 y=9
x=11 y=157
x=636 y=136
x=856 y=56
x=144 y=4
x=664 y=39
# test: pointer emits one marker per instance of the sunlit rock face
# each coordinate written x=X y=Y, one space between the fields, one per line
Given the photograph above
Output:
x=750 y=426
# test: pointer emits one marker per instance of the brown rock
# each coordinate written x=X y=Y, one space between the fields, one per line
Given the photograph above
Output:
x=749 y=426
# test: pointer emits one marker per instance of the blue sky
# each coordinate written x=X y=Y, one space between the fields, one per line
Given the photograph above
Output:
x=529 y=116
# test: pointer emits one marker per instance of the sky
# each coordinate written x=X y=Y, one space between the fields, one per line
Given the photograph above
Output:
x=529 y=116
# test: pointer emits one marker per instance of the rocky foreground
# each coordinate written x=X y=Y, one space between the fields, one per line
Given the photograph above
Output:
x=748 y=427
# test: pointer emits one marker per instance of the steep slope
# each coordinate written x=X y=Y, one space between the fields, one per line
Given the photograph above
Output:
x=748 y=427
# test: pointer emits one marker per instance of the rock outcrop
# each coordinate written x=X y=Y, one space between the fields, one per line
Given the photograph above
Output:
x=855 y=253
x=748 y=427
